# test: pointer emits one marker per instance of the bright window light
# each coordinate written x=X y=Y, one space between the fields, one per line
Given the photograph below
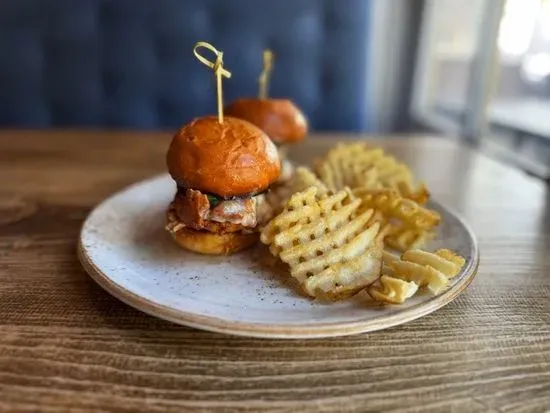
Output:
x=517 y=26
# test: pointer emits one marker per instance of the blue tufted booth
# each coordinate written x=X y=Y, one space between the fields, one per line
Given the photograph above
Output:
x=129 y=63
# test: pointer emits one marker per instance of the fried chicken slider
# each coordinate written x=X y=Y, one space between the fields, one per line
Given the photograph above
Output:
x=221 y=171
x=280 y=119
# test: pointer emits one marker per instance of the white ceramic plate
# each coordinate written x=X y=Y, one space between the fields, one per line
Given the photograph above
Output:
x=125 y=249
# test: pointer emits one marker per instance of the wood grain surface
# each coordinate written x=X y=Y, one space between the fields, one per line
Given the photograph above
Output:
x=66 y=345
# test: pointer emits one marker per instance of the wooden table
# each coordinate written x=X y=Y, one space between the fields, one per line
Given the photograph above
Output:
x=64 y=342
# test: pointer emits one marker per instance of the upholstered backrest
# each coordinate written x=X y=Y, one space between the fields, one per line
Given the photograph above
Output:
x=129 y=63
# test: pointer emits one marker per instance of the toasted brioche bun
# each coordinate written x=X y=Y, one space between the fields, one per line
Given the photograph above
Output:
x=206 y=242
x=279 y=118
x=233 y=158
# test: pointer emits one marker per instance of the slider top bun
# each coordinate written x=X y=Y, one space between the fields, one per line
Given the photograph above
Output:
x=279 y=118
x=228 y=159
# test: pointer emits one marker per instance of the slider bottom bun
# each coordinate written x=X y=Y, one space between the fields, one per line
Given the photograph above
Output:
x=205 y=242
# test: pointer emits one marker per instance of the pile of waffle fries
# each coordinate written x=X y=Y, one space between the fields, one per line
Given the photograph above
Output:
x=338 y=228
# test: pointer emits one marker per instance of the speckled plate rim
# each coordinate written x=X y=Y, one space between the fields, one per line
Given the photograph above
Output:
x=294 y=331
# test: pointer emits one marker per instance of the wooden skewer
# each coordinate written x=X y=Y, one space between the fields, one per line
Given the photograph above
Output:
x=263 y=80
x=218 y=68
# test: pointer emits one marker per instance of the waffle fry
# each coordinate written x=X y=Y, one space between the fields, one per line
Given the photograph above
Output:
x=392 y=290
x=431 y=270
x=331 y=250
x=391 y=172
x=393 y=205
x=412 y=224
x=404 y=239
x=331 y=226
x=302 y=179
x=443 y=260
x=421 y=195
x=357 y=165
x=388 y=260
x=340 y=167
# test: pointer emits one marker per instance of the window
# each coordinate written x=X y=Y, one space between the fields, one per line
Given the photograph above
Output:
x=483 y=73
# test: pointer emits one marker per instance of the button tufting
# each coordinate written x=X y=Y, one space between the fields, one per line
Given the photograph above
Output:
x=129 y=63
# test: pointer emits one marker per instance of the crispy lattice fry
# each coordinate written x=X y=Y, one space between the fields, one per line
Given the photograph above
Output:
x=403 y=239
x=443 y=260
x=394 y=206
x=358 y=165
x=392 y=290
x=331 y=251
x=302 y=179
x=427 y=269
x=412 y=224
x=420 y=195
x=344 y=165
x=350 y=165
x=388 y=259
x=391 y=172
